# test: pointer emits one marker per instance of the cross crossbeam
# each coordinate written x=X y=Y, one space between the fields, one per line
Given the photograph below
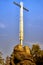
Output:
x=20 y=6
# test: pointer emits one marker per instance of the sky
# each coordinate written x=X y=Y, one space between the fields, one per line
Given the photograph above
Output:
x=9 y=24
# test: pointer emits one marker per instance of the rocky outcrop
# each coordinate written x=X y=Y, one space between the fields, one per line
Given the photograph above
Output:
x=21 y=56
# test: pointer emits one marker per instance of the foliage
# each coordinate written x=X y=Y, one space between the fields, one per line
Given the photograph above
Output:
x=37 y=54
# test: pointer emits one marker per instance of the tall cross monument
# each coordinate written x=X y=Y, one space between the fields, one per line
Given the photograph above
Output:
x=21 y=36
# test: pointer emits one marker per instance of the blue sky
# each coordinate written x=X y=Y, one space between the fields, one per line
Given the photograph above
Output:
x=9 y=24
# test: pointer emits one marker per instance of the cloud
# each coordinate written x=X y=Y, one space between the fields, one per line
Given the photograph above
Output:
x=2 y=25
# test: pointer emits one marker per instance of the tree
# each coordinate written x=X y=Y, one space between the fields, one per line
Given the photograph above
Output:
x=1 y=59
x=35 y=49
x=37 y=54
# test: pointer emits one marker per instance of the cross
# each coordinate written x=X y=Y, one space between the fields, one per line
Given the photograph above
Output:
x=21 y=21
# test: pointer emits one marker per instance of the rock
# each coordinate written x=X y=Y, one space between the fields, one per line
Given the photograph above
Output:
x=27 y=50
x=18 y=47
x=21 y=56
x=26 y=62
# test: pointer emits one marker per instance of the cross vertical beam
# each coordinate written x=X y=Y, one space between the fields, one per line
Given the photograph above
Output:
x=21 y=23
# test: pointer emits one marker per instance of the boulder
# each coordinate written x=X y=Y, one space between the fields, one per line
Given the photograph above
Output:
x=21 y=56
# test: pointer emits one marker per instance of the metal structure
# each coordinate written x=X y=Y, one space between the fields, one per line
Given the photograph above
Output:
x=21 y=20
